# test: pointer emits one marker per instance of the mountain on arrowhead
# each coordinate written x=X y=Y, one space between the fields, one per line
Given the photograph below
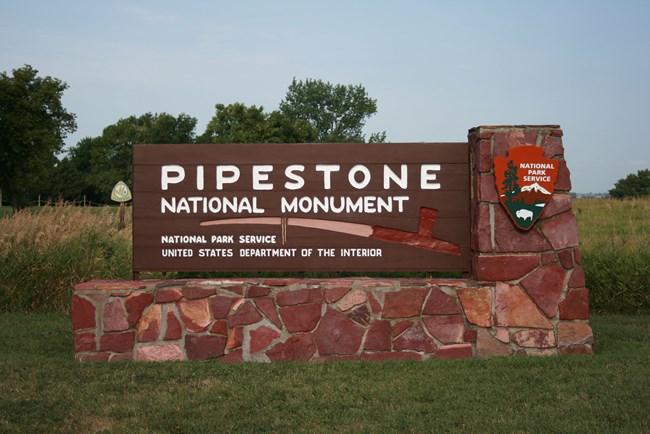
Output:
x=536 y=188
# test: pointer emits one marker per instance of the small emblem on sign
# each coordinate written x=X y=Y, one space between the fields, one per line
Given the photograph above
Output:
x=525 y=181
x=121 y=192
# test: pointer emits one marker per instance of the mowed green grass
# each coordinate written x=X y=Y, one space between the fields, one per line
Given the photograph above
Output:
x=42 y=389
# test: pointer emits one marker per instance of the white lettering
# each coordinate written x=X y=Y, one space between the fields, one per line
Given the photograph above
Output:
x=327 y=170
x=401 y=180
x=359 y=168
x=166 y=177
x=223 y=178
x=426 y=177
x=260 y=175
x=298 y=181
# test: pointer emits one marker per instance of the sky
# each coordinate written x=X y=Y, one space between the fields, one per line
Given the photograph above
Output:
x=436 y=68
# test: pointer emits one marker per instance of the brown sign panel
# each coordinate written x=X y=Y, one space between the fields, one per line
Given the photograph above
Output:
x=301 y=207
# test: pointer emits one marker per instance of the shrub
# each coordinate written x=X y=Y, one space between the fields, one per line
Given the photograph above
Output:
x=44 y=253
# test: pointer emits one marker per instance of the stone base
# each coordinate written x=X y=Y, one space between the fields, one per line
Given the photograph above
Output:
x=265 y=320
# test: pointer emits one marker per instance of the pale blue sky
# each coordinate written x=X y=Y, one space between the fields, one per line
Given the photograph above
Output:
x=436 y=68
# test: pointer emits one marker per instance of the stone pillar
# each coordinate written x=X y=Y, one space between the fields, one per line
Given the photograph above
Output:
x=540 y=298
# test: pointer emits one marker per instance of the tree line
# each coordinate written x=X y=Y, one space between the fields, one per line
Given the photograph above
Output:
x=34 y=124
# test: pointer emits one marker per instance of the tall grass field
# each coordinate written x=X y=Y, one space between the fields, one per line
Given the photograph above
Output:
x=45 y=251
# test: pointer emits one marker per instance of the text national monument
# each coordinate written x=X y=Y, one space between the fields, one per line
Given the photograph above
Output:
x=495 y=210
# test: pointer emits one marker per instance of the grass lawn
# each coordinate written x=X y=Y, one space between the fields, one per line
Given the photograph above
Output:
x=42 y=389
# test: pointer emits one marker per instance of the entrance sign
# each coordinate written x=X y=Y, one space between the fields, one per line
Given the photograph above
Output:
x=301 y=207
x=525 y=182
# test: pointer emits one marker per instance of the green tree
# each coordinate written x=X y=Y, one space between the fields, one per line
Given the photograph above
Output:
x=338 y=113
x=633 y=185
x=33 y=125
x=237 y=123
x=102 y=161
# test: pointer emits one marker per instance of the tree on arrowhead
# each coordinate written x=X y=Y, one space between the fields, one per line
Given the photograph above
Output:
x=510 y=186
x=33 y=125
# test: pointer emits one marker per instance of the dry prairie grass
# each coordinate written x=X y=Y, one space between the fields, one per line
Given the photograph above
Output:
x=44 y=253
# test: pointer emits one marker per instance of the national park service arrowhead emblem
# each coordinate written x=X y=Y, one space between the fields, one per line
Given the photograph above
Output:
x=525 y=181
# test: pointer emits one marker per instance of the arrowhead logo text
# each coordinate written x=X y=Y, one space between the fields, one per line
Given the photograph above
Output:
x=525 y=182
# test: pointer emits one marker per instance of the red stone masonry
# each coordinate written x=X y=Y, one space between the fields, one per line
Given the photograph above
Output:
x=526 y=295
x=539 y=293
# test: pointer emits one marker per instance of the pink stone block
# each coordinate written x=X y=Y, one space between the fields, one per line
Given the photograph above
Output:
x=195 y=314
x=574 y=333
x=488 y=346
x=203 y=347
x=488 y=189
x=375 y=304
x=469 y=335
x=535 y=338
x=297 y=348
x=510 y=239
x=563 y=182
x=159 y=353
x=504 y=140
x=117 y=342
x=85 y=342
x=562 y=231
x=552 y=146
x=220 y=306
x=352 y=299
x=220 y=327
x=235 y=356
x=301 y=318
x=136 y=304
x=477 y=304
x=236 y=338
x=267 y=307
x=544 y=286
x=168 y=295
x=83 y=313
x=566 y=259
x=261 y=338
x=150 y=324
x=448 y=329
x=514 y=309
x=484 y=156
x=300 y=296
x=332 y=295
x=337 y=334
x=174 y=329
x=504 y=267
x=558 y=204
x=575 y=305
x=440 y=303
x=247 y=314
x=360 y=315
x=455 y=351
x=379 y=336
x=483 y=231
x=578 y=278
x=405 y=303
x=196 y=292
x=114 y=317
x=415 y=339
x=399 y=327
x=503 y=335
x=257 y=291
